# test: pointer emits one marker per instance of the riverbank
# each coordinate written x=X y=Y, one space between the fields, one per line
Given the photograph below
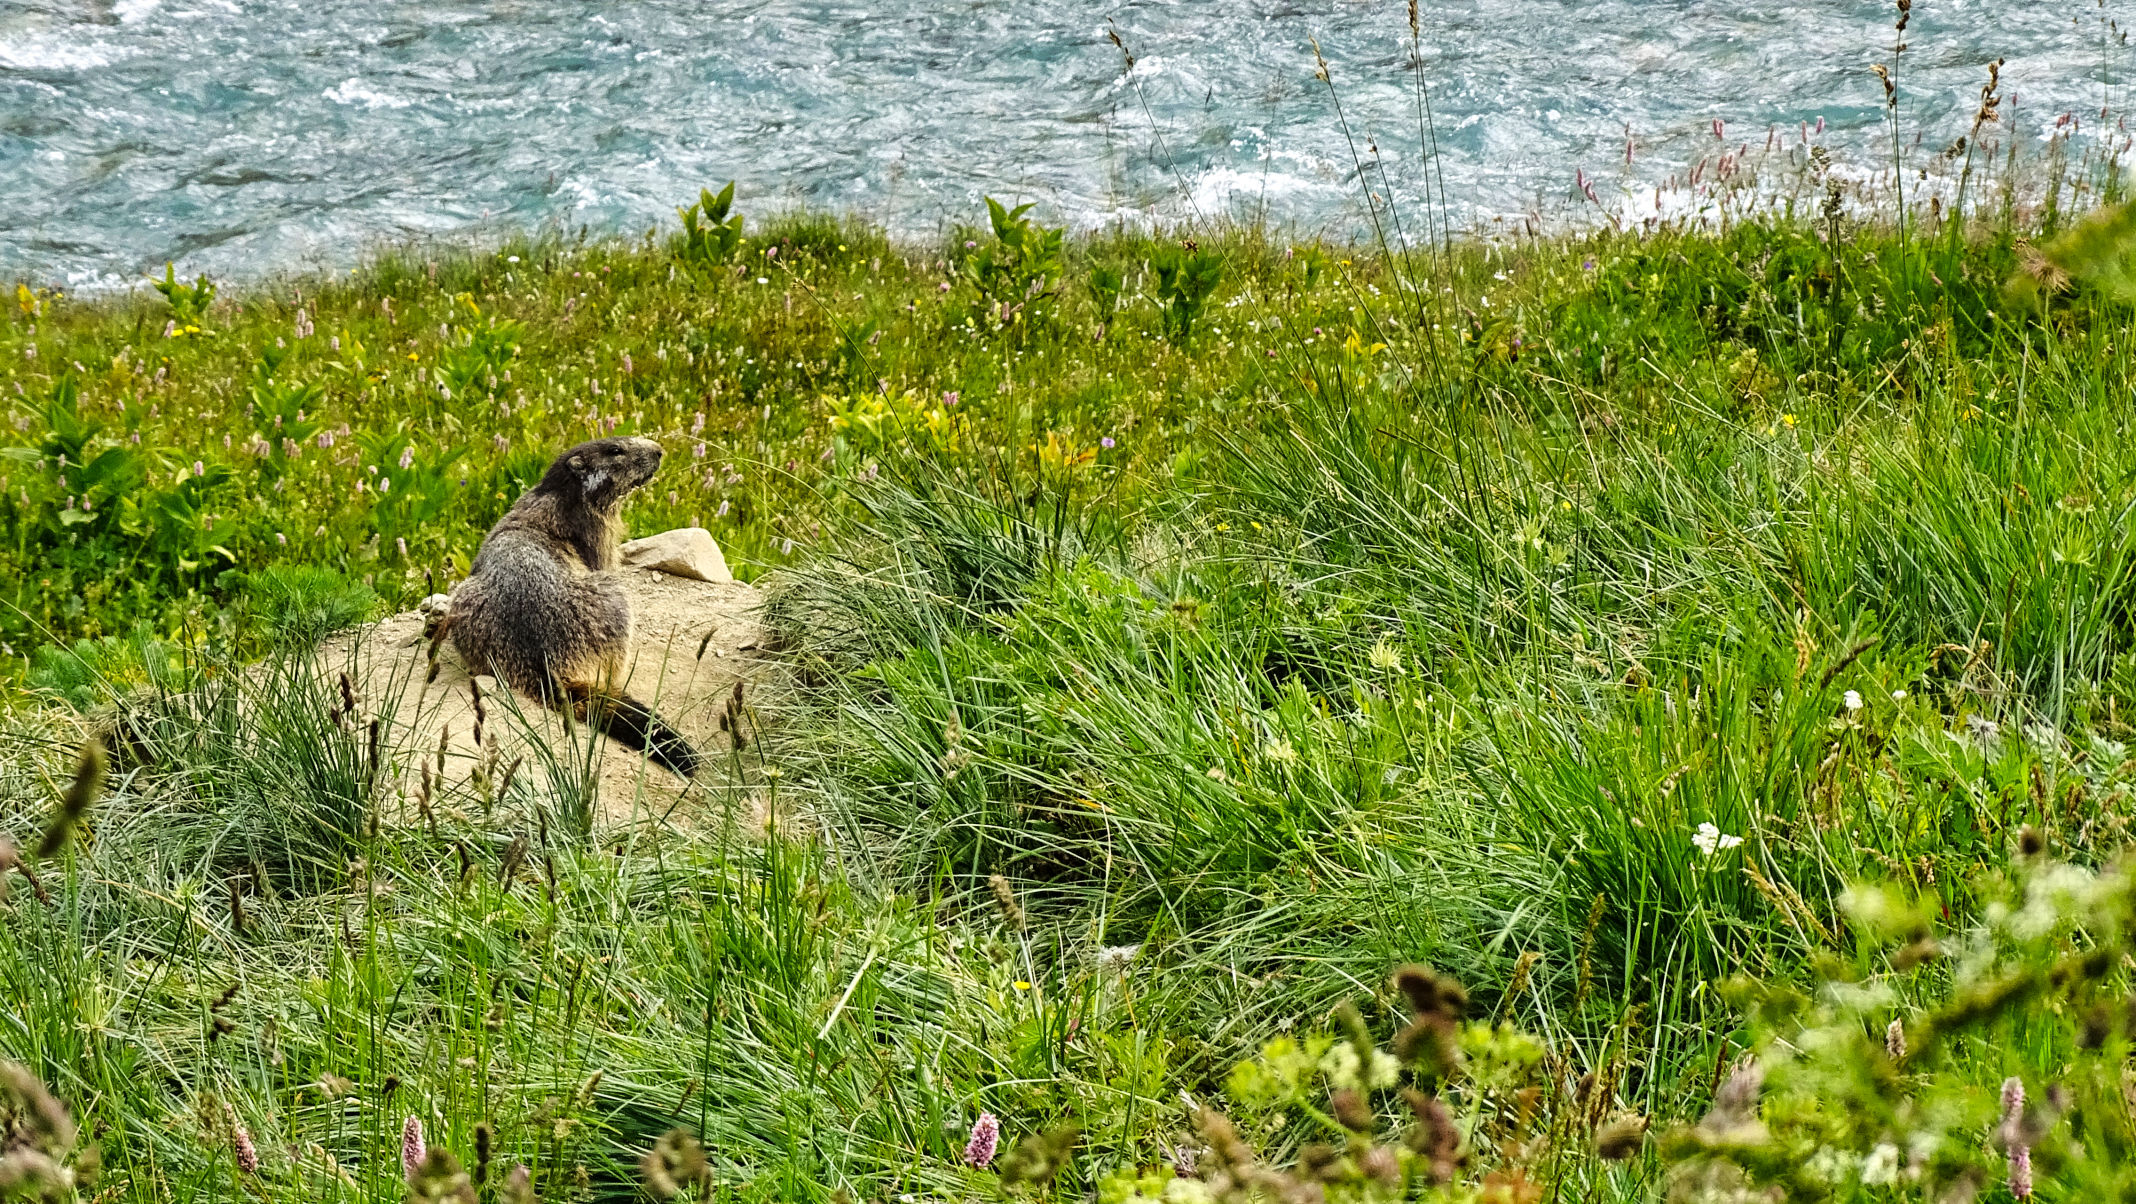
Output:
x=1184 y=636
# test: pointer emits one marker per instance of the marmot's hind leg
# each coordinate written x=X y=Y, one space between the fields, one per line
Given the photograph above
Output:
x=594 y=687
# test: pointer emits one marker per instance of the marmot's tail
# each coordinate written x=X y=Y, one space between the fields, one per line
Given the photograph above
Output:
x=634 y=725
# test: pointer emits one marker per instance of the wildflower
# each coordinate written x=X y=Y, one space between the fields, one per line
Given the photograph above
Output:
x=407 y=457
x=1881 y=1167
x=1852 y=700
x=1711 y=840
x=1435 y=1139
x=1895 y=1040
x=986 y=1138
x=1385 y=656
x=248 y=1156
x=1281 y=752
x=413 y=1151
x=950 y=397
x=199 y=469
x=1898 y=696
x=519 y=1186
x=1106 y=443
x=302 y=326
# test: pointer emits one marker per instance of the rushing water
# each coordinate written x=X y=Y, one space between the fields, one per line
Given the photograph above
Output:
x=245 y=136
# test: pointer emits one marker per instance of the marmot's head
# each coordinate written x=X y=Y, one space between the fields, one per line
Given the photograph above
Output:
x=603 y=472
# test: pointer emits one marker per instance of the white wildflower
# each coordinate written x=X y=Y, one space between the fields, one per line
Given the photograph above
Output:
x=1852 y=699
x=1881 y=1167
x=1711 y=840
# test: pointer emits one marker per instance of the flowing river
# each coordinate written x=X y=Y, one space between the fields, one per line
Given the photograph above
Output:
x=247 y=137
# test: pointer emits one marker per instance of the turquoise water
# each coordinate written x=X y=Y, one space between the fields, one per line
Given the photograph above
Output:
x=246 y=136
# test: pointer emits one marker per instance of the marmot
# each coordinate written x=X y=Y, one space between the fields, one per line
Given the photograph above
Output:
x=541 y=610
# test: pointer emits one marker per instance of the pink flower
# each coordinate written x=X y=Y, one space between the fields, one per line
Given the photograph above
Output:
x=2021 y=1172
x=2013 y=1101
x=248 y=1158
x=413 y=1151
x=986 y=1136
x=2019 y=1151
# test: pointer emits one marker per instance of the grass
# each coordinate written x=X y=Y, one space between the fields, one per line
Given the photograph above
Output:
x=1258 y=635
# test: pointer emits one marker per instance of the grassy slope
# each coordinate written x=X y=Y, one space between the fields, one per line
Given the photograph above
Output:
x=1340 y=655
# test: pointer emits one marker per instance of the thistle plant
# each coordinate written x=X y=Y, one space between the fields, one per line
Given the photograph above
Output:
x=2098 y=253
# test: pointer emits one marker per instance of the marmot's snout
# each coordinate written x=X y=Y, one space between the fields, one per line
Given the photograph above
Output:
x=644 y=456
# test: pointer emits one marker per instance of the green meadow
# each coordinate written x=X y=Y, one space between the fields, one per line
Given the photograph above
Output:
x=1618 y=716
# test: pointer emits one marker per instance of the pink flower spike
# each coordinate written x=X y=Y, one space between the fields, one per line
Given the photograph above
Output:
x=2021 y=1172
x=986 y=1136
x=248 y=1155
x=413 y=1151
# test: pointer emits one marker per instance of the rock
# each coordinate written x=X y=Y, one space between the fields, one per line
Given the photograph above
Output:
x=691 y=642
x=433 y=610
x=684 y=552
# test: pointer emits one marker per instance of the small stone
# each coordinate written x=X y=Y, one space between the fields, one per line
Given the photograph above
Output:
x=684 y=552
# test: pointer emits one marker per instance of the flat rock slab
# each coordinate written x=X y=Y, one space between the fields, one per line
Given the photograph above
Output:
x=692 y=642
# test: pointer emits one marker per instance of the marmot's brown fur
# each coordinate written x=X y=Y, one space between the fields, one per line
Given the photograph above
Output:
x=541 y=610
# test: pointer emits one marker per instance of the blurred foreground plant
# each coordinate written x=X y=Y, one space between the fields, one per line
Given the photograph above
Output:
x=1902 y=1074
x=39 y=1157
x=1349 y=1151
